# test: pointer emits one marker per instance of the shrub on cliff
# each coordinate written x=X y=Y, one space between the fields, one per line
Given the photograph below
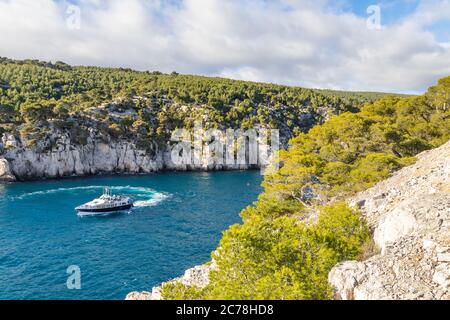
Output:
x=280 y=258
x=273 y=254
x=29 y=86
x=351 y=152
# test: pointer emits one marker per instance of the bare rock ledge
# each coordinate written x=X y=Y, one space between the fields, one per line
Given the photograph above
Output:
x=5 y=171
x=410 y=216
x=197 y=276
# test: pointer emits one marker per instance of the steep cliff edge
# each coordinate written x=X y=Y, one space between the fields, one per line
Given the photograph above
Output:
x=87 y=144
x=410 y=216
x=65 y=158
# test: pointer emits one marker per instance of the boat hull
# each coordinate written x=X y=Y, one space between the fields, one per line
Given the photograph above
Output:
x=104 y=210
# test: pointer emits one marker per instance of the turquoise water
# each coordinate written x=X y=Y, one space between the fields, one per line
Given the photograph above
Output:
x=178 y=221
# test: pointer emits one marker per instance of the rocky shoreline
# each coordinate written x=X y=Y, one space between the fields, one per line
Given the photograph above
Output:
x=66 y=159
x=197 y=276
x=409 y=214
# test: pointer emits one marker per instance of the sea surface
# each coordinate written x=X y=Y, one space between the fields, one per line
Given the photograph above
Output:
x=178 y=220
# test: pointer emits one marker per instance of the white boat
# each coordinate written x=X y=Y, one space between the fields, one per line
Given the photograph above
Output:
x=107 y=203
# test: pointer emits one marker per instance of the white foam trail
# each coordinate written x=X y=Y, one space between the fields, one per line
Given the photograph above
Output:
x=155 y=200
x=39 y=193
x=153 y=197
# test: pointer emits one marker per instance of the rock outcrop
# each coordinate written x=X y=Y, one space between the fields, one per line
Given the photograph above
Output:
x=58 y=156
x=197 y=276
x=410 y=216
x=5 y=171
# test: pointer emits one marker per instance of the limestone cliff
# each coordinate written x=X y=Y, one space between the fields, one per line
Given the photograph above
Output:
x=100 y=140
x=58 y=156
x=5 y=171
x=410 y=216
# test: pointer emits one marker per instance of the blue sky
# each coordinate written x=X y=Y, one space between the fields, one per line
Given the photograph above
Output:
x=393 y=10
x=311 y=43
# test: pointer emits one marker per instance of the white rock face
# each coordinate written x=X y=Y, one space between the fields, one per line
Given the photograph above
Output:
x=197 y=276
x=400 y=222
x=5 y=171
x=64 y=158
x=410 y=216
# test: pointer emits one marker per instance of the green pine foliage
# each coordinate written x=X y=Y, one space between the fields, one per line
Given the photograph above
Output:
x=353 y=151
x=280 y=257
x=278 y=252
x=38 y=92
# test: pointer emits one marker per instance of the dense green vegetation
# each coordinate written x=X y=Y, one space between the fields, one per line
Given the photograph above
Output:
x=280 y=257
x=33 y=93
x=277 y=253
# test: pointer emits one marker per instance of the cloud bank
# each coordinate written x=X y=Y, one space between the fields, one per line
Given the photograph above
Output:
x=305 y=43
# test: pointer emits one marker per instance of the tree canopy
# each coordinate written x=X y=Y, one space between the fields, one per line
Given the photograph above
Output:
x=281 y=251
x=33 y=91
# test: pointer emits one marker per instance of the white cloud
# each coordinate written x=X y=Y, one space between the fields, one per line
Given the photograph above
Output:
x=284 y=41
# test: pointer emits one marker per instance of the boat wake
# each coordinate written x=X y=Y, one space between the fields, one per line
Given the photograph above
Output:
x=157 y=198
x=144 y=197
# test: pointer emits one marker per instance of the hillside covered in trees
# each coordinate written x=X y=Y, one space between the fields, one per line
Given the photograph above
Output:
x=342 y=143
x=301 y=225
x=34 y=95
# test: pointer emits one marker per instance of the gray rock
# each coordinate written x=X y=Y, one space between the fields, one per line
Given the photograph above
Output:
x=197 y=276
x=5 y=171
x=410 y=216
x=57 y=156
